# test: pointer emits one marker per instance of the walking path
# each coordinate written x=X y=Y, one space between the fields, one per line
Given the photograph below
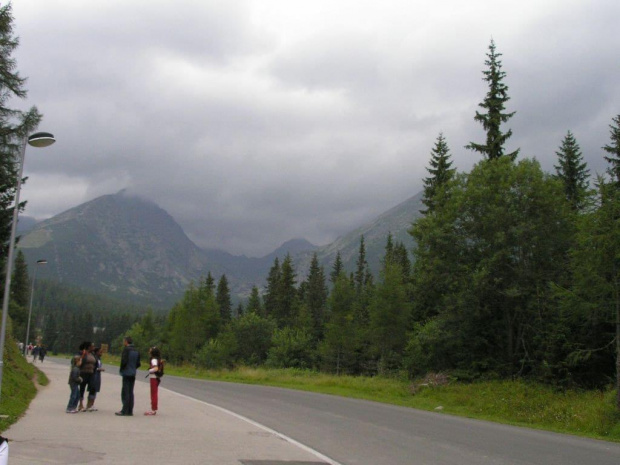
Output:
x=184 y=431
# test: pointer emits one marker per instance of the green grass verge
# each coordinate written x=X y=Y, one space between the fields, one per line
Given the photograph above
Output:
x=18 y=386
x=520 y=403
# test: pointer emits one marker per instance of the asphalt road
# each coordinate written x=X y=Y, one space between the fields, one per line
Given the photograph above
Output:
x=361 y=432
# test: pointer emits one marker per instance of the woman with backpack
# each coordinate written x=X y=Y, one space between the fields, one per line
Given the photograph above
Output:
x=155 y=372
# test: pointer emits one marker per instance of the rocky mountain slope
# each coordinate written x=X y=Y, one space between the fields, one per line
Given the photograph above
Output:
x=129 y=248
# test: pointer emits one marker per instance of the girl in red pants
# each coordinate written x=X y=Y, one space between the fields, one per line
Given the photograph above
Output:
x=155 y=357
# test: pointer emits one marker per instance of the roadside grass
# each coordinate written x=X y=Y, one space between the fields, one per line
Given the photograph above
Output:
x=520 y=403
x=18 y=384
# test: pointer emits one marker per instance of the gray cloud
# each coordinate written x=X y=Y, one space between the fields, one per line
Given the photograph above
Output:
x=255 y=122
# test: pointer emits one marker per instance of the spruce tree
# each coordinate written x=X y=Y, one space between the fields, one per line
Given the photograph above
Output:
x=337 y=269
x=271 y=297
x=222 y=297
x=287 y=310
x=20 y=296
x=254 y=303
x=361 y=269
x=316 y=297
x=572 y=171
x=613 y=148
x=20 y=283
x=494 y=106
x=209 y=284
x=14 y=125
x=440 y=173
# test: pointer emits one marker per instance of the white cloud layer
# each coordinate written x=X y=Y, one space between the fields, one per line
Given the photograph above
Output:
x=255 y=122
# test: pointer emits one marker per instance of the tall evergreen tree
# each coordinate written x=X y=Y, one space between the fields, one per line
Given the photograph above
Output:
x=572 y=171
x=316 y=297
x=613 y=148
x=401 y=257
x=338 y=347
x=362 y=270
x=389 y=318
x=389 y=249
x=209 y=284
x=287 y=310
x=484 y=268
x=222 y=297
x=440 y=173
x=337 y=269
x=494 y=106
x=20 y=284
x=254 y=303
x=593 y=302
x=14 y=125
x=271 y=295
x=20 y=296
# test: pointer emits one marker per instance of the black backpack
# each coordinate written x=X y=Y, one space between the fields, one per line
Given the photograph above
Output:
x=160 y=369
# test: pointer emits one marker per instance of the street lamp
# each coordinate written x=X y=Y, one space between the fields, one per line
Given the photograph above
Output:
x=34 y=277
x=40 y=139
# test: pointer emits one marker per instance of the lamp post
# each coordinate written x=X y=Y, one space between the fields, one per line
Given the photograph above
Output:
x=40 y=139
x=34 y=277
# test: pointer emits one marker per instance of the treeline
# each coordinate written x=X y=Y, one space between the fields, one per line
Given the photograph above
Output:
x=515 y=273
x=62 y=316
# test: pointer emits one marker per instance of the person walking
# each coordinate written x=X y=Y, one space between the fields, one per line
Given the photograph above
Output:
x=154 y=378
x=42 y=353
x=74 y=384
x=130 y=362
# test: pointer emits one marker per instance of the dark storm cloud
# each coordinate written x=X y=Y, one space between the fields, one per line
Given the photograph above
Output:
x=255 y=122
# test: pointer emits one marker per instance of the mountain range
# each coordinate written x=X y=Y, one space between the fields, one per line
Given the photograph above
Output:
x=129 y=248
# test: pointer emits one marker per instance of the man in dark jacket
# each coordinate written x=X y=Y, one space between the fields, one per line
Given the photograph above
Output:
x=130 y=362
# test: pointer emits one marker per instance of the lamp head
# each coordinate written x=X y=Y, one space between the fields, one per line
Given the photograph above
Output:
x=41 y=262
x=41 y=139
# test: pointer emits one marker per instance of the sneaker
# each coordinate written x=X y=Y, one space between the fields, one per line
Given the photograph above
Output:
x=151 y=412
x=72 y=411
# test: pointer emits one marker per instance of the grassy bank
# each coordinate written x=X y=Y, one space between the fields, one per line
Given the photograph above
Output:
x=18 y=387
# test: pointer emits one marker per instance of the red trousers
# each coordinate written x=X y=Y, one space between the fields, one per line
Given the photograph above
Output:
x=154 y=389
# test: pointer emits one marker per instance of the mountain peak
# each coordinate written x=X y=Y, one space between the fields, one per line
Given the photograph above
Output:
x=294 y=247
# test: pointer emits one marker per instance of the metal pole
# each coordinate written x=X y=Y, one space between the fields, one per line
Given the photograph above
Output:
x=9 y=261
x=34 y=278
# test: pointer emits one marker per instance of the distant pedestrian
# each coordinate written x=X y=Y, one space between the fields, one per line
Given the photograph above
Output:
x=130 y=362
x=30 y=347
x=95 y=386
x=42 y=353
x=154 y=378
x=74 y=384
x=35 y=353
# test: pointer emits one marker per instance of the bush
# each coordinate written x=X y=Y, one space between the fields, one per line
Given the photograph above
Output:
x=217 y=353
x=292 y=348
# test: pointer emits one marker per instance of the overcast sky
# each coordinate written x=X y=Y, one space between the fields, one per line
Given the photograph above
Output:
x=254 y=122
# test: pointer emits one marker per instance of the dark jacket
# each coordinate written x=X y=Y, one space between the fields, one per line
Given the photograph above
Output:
x=74 y=376
x=130 y=361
